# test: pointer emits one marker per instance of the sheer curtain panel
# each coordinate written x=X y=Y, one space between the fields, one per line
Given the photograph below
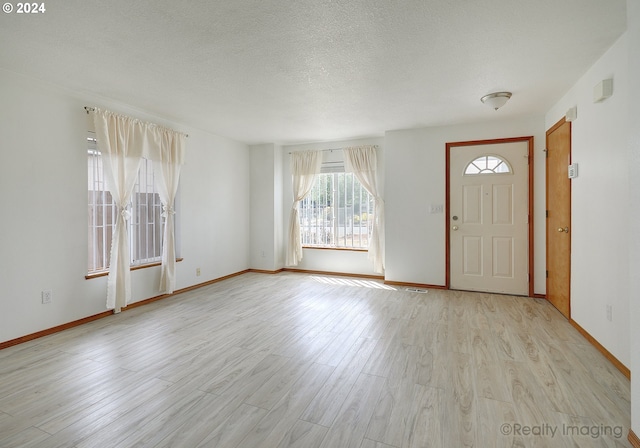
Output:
x=170 y=159
x=304 y=167
x=362 y=162
x=121 y=141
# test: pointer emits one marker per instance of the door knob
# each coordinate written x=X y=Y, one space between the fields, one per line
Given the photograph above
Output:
x=565 y=229
x=455 y=227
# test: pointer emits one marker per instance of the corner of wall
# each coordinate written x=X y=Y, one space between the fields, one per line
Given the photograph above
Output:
x=633 y=30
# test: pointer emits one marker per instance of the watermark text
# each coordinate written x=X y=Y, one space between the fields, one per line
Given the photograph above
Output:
x=551 y=431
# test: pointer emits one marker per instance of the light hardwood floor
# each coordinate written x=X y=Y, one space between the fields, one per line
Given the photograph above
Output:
x=294 y=360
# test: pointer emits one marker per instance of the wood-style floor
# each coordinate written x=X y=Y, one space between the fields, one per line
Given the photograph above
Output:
x=293 y=360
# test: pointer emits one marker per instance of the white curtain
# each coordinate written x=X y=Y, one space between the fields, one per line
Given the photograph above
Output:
x=304 y=167
x=167 y=167
x=362 y=162
x=121 y=141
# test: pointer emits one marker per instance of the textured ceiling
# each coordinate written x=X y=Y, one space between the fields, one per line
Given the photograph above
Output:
x=291 y=71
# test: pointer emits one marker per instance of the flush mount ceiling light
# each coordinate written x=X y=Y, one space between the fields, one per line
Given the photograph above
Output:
x=496 y=100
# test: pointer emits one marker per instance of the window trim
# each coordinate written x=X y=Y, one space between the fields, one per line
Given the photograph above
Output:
x=348 y=249
x=133 y=264
x=131 y=268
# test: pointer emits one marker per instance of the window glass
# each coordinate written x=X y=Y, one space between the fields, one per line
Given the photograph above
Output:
x=146 y=225
x=488 y=164
x=338 y=212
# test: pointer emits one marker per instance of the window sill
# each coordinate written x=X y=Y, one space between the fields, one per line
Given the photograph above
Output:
x=348 y=249
x=133 y=268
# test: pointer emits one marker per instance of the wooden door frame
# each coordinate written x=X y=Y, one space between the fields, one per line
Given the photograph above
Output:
x=448 y=147
x=560 y=122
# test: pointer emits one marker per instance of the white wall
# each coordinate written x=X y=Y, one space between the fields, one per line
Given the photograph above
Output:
x=43 y=208
x=633 y=37
x=415 y=179
x=266 y=207
x=349 y=262
x=600 y=202
x=215 y=206
x=280 y=225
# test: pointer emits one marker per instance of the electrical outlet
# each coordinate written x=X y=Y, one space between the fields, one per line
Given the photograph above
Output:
x=46 y=296
x=610 y=313
x=437 y=208
x=197 y=272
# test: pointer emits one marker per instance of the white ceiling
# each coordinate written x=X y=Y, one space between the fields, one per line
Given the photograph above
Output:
x=292 y=71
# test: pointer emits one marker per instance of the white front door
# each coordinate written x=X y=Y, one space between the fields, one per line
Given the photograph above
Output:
x=488 y=217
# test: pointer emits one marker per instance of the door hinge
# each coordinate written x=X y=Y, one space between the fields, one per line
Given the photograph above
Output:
x=547 y=213
x=547 y=274
x=528 y=278
x=546 y=152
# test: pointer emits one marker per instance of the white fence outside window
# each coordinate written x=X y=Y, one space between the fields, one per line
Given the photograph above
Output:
x=338 y=212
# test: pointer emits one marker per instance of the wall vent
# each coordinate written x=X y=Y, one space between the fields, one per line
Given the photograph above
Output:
x=418 y=290
x=332 y=167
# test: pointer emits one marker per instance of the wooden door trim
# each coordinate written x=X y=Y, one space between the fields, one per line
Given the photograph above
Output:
x=550 y=131
x=634 y=440
x=560 y=122
x=448 y=146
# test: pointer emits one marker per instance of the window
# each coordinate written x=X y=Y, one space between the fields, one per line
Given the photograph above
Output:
x=338 y=212
x=145 y=225
x=488 y=165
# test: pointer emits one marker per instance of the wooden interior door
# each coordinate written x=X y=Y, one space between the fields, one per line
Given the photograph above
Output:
x=558 y=187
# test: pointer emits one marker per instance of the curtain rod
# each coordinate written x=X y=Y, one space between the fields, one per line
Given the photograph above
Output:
x=92 y=109
x=337 y=149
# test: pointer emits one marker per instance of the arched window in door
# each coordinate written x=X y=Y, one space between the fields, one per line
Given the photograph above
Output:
x=488 y=164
